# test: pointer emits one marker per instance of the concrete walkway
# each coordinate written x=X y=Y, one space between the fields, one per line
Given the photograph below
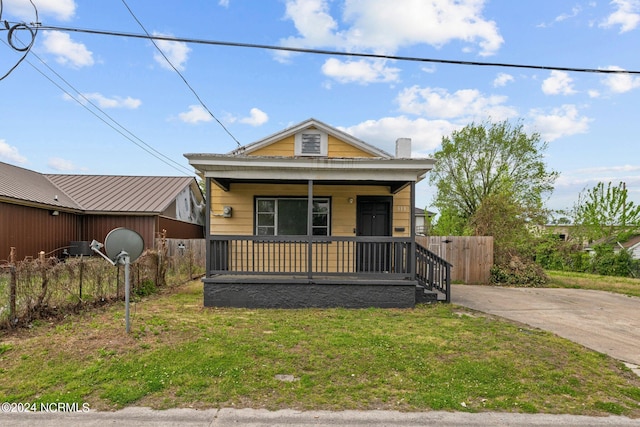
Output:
x=602 y=321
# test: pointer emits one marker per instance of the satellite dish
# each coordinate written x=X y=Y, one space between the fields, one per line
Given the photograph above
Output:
x=122 y=239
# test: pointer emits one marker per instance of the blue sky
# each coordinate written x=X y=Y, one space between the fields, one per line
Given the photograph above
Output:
x=590 y=120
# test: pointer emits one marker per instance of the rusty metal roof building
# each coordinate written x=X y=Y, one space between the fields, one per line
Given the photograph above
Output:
x=19 y=184
x=91 y=193
x=133 y=194
x=40 y=212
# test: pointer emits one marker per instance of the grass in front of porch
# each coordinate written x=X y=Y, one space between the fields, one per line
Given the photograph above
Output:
x=435 y=357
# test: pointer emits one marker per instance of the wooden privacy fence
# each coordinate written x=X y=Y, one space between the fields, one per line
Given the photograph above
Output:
x=471 y=256
x=195 y=248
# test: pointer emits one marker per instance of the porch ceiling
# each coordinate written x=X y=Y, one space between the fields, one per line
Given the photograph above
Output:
x=225 y=168
x=394 y=186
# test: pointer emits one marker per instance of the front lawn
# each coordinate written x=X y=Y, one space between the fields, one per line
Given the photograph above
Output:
x=433 y=357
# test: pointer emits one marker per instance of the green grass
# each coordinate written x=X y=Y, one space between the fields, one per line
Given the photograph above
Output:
x=621 y=285
x=437 y=357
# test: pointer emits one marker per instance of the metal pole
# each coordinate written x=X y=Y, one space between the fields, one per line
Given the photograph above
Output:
x=310 y=229
x=127 y=262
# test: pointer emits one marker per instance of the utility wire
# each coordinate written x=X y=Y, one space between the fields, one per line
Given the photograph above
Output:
x=179 y=73
x=337 y=53
x=27 y=48
x=16 y=27
x=122 y=131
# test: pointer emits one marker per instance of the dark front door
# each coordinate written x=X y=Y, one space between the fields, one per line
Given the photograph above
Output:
x=374 y=219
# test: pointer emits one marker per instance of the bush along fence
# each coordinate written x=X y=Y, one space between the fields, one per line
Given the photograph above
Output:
x=45 y=287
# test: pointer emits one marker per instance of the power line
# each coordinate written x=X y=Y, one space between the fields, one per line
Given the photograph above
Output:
x=337 y=53
x=27 y=48
x=16 y=27
x=179 y=73
x=141 y=144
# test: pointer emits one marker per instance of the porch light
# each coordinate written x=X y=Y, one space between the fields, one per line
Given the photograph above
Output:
x=350 y=200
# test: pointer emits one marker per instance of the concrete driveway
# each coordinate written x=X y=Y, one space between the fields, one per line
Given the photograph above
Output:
x=602 y=321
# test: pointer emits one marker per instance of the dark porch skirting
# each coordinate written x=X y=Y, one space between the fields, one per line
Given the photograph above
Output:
x=281 y=292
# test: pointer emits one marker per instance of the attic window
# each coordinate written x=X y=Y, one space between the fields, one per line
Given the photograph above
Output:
x=311 y=143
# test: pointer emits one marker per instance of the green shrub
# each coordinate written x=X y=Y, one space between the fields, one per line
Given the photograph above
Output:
x=145 y=288
x=606 y=262
x=519 y=272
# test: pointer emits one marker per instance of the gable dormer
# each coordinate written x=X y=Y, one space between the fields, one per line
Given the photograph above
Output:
x=311 y=138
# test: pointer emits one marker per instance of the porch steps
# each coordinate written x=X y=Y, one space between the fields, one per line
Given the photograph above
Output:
x=425 y=296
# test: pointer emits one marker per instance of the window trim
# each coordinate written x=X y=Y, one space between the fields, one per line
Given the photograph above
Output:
x=275 y=220
x=324 y=143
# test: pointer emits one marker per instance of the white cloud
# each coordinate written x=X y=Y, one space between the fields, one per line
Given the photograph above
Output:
x=575 y=11
x=564 y=16
x=626 y=15
x=502 y=79
x=257 y=118
x=620 y=83
x=176 y=52
x=609 y=169
x=313 y=22
x=562 y=121
x=66 y=50
x=11 y=153
x=224 y=3
x=60 y=9
x=426 y=135
x=467 y=104
x=196 y=114
x=60 y=164
x=362 y=71
x=558 y=83
x=383 y=27
x=104 y=102
x=571 y=183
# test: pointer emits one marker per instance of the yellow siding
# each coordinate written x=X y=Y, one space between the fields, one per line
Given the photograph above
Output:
x=343 y=213
x=339 y=148
x=270 y=257
x=284 y=148
x=402 y=212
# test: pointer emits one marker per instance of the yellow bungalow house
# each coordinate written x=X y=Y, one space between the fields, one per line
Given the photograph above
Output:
x=313 y=217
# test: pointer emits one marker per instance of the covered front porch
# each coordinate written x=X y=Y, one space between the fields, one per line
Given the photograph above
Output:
x=312 y=271
x=313 y=217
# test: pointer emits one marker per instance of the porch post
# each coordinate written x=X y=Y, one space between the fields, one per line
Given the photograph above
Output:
x=412 y=249
x=310 y=229
x=207 y=224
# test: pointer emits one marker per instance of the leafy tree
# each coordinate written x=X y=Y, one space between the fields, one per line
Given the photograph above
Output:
x=489 y=158
x=500 y=216
x=603 y=212
x=449 y=223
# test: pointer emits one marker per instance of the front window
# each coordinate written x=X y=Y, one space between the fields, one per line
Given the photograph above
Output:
x=281 y=216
